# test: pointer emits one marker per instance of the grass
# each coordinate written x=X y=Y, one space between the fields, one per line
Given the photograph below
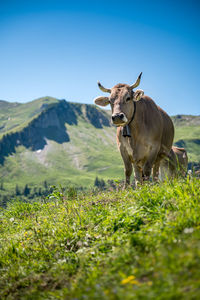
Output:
x=132 y=244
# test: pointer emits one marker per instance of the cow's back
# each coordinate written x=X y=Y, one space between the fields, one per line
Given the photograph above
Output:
x=167 y=133
x=155 y=124
x=148 y=123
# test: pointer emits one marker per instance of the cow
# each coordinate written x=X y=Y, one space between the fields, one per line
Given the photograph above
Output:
x=144 y=131
x=175 y=164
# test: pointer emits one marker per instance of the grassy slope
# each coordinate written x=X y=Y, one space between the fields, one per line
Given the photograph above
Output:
x=113 y=245
x=91 y=152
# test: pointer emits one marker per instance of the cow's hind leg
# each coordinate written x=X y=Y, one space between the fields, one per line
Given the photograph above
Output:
x=128 y=171
x=149 y=164
x=156 y=168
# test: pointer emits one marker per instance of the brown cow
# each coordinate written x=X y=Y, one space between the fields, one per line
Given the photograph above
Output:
x=144 y=131
x=175 y=164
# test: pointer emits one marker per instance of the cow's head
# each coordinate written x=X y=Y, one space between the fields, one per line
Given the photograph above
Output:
x=121 y=101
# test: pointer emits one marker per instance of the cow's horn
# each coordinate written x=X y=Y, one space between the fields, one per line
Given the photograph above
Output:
x=137 y=82
x=103 y=88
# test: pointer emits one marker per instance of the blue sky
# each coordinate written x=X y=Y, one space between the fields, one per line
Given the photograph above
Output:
x=61 y=48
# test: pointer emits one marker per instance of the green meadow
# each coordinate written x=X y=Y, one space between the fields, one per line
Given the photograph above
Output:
x=124 y=244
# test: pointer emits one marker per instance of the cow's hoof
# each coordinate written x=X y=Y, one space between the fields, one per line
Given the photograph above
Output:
x=126 y=186
x=138 y=184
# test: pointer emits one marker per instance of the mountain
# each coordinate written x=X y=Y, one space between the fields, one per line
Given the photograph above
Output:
x=48 y=122
x=58 y=141
x=69 y=143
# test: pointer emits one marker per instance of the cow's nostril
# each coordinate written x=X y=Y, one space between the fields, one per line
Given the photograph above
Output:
x=117 y=117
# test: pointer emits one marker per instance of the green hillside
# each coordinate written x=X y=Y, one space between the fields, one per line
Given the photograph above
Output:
x=142 y=244
x=62 y=143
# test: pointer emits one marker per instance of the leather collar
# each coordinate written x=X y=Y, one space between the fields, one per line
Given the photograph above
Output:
x=126 y=129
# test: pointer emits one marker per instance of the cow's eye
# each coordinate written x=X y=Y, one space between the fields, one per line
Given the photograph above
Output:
x=128 y=98
x=112 y=101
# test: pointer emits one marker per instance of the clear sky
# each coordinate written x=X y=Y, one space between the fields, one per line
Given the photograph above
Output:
x=61 y=48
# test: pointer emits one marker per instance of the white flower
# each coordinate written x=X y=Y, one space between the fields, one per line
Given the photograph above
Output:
x=188 y=230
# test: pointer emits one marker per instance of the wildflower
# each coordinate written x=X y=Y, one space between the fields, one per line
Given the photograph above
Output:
x=188 y=230
x=130 y=280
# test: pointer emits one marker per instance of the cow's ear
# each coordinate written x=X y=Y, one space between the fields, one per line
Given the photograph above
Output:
x=102 y=101
x=138 y=94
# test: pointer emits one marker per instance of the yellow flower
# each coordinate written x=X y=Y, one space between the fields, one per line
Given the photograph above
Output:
x=130 y=280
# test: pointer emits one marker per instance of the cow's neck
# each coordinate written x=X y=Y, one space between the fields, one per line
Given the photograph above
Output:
x=126 y=132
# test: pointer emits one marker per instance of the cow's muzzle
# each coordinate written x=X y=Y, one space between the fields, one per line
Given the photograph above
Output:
x=119 y=119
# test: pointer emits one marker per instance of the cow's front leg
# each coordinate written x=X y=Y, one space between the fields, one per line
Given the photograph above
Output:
x=147 y=171
x=138 y=175
x=128 y=168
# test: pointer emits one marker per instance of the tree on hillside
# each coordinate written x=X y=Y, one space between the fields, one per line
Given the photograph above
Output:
x=96 y=182
x=1 y=186
x=45 y=185
x=26 y=190
x=5 y=200
x=100 y=183
x=40 y=191
x=17 y=190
